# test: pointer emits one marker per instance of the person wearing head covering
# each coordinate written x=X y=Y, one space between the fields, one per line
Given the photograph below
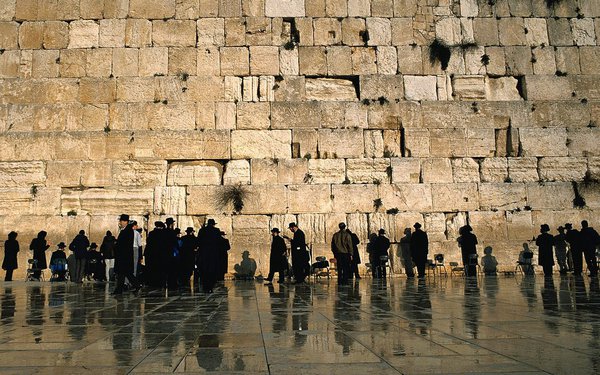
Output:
x=95 y=264
x=355 y=261
x=545 y=243
x=342 y=248
x=405 y=253
x=124 y=256
x=156 y=256
x=590 y=240
x=11 y=249
x=224 y=257
x=172 y=264
x=380 y=248
x=573 y=237
x=209 y=255
x=277 y=258
x=39 y=246
x=489 y=262
x=419 y=248
x=468 y=247
x=560 y=250
x=187 y=256
x=79 y=247
x=300 y=256
x=107 y=248
x=247 y=267
x=58 y=262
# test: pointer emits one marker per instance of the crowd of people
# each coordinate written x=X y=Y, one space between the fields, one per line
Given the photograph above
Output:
x=170 y=259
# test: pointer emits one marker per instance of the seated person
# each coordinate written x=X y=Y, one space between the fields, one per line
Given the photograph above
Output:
x=246 y=269
x=525 y=257
x=58 y=262
x=489 y=262
x=95 y=264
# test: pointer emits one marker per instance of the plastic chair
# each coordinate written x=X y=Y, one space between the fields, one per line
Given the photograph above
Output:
x=318 y=267
x=333 y=265
x=473 y=262
x=439 y=265
x=385 y=264
x=32 y=268
x=454 y=267
x=526 y=266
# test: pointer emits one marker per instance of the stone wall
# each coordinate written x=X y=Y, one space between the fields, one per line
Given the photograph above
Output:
x=323 y=110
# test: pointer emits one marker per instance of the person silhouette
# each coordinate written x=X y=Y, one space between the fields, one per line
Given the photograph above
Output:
x=489 y=262
x=545 y=242
x=247 y=267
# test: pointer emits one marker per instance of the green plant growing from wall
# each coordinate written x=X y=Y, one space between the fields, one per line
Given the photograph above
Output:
x=439 y=51
x=234 y=195
x=377 y=204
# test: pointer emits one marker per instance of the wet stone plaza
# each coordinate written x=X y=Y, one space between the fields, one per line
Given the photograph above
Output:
x=506 y=325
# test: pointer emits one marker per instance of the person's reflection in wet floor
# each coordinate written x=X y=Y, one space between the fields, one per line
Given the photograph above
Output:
x=8 y=307
x=490 y=288
x=34 y=316
x=209 y=355
x=344 y=312
x=472 y=307
x=550 y=304
x=302 y=293
x=56 y=300
x=565 y=297
x=527 y=288
x=279 y=310
x=594 y=343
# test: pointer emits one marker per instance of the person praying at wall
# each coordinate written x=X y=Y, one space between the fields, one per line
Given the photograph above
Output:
x=209 y=255
x=590 y=240
x=107 y=248
x=573 y=237
x=545 y=244
x=468 y=247
x=224 y=257
x=39 y=246
x=187 y=256
x=11 y=249
x=560 y=250
x=419 y=248
x=124 y=256
x=79 y=247
x=405 y=253
x=277 y=257
x=156 y=256
x=58 y=262
x=300 y=256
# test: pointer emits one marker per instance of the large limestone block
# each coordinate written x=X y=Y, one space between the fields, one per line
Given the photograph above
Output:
x=174 y=33
x=351 y=198
x=112 y=33
x=367 y=171
x=29 y=201
x=314 y=228
x=347 y=143
x=547 y=88
x=327 y=31
x=203 y=200
x=503 y=88
x=562 y=168
x=373 y=143
x=502 y=196
x=9 y=64
x=140 y=173
x=572 y=115
x=326 y=171
x=436 y=170
x=138 y=33
x=544 y=142
x=469 y=8
x=468 y=87
x=494 y=170
x=253 y=115
x=31 y=35
x=381 y=220
x=330 y=89
x=380 y=31
x=152 y=9
x=455 y=197
x=490 y=226
x=405 y=170
x=211 y=32
x=237 y=172
x=264 y=60
x=265 y=200
x=465 y=170
x=309 y=199
x=284 y=8
x=107 y=201
x=279 y=171
x=523 y=169
x=583 y=31
x=387 y=87
x=550 y=195
x=591 y=194
x=84 y=34
x=584 y=142
x=249 y=230
x=520 y=225
x=194 y=173
x=485 y=31
x=235 y=61
x=420 y=88
x=7 y=10
x=248 y=144
x=169 y=200
x=418 y=142
x=406 y=197
x=22 y=174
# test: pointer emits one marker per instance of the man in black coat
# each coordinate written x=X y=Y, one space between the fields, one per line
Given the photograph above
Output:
x=545 y=243
x=224 y=257
x=419 y=248
x=468 y=247
x=300 y=256
x=590 y=240
x=124 y=256
x=156 y=256
x=355 y=256
x=187 y=256
x=277 y=259
x=11 y=248
x=573 y=237
x=209 y=254
x=79 y=247
x=381 y=249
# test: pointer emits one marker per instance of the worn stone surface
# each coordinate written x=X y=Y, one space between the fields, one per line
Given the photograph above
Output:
x=194 y=173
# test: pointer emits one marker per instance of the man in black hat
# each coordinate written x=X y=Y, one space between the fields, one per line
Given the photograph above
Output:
x=209 y=248
x=300 y=256
x=590 y=240
x=380 y=254
x=124 y=256
x=468 y=247
x=342 y=248
x=187 y=256
x=419 y=248
x=560 y=250
x=94 y=263
x=277 y=258
x=224 y=257
x=545 y=243
x=173 y=250
x=58 y=262
x=573 y=237
x=156 y=256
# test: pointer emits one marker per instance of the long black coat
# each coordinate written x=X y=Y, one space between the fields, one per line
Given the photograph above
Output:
x=277 y=259
x=187 y=253
x=545 y=242
x=419 y=246
x=210 y=243
x=124 y=251
x=39 y=247
x=468 y=246
x=355 y=253
x=11 y=248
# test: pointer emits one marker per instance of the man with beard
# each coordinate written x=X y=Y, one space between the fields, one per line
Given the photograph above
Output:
x=419 y=248
x=300 y=261
x=124 y=256
x=187 y=256
x=156 y=256
x=209 y=248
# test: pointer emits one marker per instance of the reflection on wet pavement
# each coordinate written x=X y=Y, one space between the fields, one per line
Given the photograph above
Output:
x=499 y=325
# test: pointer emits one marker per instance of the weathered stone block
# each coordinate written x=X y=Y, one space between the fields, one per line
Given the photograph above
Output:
x=284 y=8
x=420 y=88
x=364 y=60
x=380 y=31
x=153 y=61
x=518 y=60
x=354 y=198
x=347 y=143
x=140 y=173
x=125 y=62
x=567 y=60
x=327 y=31
x=169 y=200
x=485 y=31
x=468 y=87
x=523 y=169
x=329 y=89
x=502 y=196
x=312 y=60
x=194 y=173
x=559 y=32
x=583 y=31
x=97 y=90
x=107 y=201
x=352 y=29
x=465 y=170
x=84 y=34
x=547 y=88
x=583 y=142
x=418 y=142
x=22 y=174
x=320 y=199
x=502 y=89
x=406 y=197
x=9 y=64
x=174 y=33
x=264 y=60
x=152 y=9
x=562 y=168
x=235 y=61
x=138 y=33
x=544 y=142
x=436 y=170
x=279 y=171
x=367 y=171
x=373 y=143
x=494 y=170
x=455 y=197
x=295 y=115
x=386 y=87
x=326 y=171
x=512 y=31
x=31 y=35
x=112 y=33
x=253 y=115
x=405 y=170
x=248 y=144
x=550 y=195
x=265 y=200
x=237 y=172
x=520 y=225
x=537 y=31
x=489 y=225
x=45 y=64
x=225 y=116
